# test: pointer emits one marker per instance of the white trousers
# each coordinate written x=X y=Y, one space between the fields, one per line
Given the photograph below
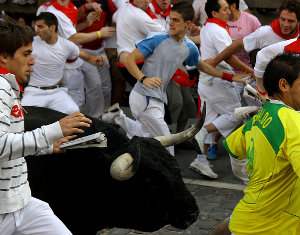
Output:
x=221 y=99
x=36 y=218
x=105 y=78
x=57 y=99
x=73 y=79
x=149 y=114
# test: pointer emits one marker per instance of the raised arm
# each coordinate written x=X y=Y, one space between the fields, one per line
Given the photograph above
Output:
x=80 y=38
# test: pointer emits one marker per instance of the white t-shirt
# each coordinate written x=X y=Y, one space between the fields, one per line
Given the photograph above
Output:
x=214 y=39
x=65 y=28
x=262 y=37
x=50 y=60
x=268 y=53
x=133 y=25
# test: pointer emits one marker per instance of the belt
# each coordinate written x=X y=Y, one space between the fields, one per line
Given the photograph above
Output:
x=46 y=87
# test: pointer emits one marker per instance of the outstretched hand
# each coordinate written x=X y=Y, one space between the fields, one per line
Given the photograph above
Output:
x=241 y=78
x=74 y=124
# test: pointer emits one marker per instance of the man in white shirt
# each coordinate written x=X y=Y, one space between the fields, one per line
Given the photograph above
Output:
x=200 y=14
x=51 y=54
x=85 y=87
x=220 y=96
x=285 y=27
x=20 y=213
x=268 y=53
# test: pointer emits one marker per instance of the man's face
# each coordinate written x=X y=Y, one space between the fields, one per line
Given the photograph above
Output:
x=288 y=22
x=177 y=25
x=43 y=30
x=224 y=12
x=163 y=4
x=21 y=63
x=294 y=94
x=142 y=4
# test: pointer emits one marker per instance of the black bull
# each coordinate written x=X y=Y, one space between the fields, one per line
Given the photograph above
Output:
x=80 y=190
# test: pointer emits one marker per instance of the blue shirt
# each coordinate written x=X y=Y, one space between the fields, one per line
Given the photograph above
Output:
x=163 y=55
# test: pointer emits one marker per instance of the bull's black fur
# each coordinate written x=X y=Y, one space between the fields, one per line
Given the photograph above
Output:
x=80 y=190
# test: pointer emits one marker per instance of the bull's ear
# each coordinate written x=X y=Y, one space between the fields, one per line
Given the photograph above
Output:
x=122 y=167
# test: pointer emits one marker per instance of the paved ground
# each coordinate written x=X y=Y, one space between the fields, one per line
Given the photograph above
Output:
x=215 y=205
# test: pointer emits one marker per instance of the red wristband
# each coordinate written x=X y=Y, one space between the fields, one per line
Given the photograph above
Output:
x=227 y=76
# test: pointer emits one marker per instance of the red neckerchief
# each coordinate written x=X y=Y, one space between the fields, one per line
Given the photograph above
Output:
x=6 y=71
x=219 y=22
x=276 y=29
x=159 y=11
x=293 y=47
x=150 y=13
x=70 y=10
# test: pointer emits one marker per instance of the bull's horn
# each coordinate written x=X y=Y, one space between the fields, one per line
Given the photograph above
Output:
x=178 y=138
x=121 y=168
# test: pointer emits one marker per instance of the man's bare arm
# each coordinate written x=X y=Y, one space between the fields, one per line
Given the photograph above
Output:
x=207 y=68
x=80 y=38
x=236 y=63
x=234 y=47
x=133 y=69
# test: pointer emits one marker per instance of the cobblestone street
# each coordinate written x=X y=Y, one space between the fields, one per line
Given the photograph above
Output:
x=215 y=205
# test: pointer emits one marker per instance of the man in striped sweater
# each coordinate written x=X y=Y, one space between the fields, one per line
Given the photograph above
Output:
x=19 y=212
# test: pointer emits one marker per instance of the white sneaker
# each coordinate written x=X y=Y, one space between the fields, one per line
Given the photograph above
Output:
x=251 y=94
x=202 y=167
x=244 y=112
x=113 y=108
x=112 y=113
x=199 y=137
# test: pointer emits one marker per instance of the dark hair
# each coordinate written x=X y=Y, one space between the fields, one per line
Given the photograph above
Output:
x=210 y=6
x=291 y=6
x=49 y=19
x=13 y=36
x=185 y=9
x=285 y=66
x=236 y=2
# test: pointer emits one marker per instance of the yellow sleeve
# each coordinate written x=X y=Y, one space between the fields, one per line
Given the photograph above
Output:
x=292 y=143
x=235 y=144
